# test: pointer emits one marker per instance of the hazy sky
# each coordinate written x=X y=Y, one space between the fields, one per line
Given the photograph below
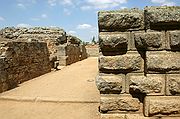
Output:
x=77 y=17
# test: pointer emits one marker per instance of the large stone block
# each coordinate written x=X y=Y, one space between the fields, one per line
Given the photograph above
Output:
x=163 y=62
x=113 y=116
x=152 y=84
x=111 y=84
x=173 y=84
x=164 y=17
x=150 y=40
x=174 y=39
x=162 y=105
x=62 y=50
x=121 y=20
x=114 y=41
x=119 y=103
x=129 y=62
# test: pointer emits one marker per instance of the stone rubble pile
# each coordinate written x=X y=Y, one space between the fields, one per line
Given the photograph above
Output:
x=139 y=66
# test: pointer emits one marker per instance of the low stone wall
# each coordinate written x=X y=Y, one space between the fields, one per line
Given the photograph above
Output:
x=22 y=61
x=139 y=66
x=92 y=50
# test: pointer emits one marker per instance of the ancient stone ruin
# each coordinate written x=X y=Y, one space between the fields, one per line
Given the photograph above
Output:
x=64 y=49
x=92 y=50
x=139 y=66
x=21 y=61
x=30 y=52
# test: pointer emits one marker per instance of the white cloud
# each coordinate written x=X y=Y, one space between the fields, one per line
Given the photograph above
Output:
x=71 y=32
x=67 y=2
x=44 y=16
x=84 y=26
x=163 y=2
x=86 y=7
x=52 y=2
x=20 y=5
x=2 y=18
x=23 y=25
x=103 y=4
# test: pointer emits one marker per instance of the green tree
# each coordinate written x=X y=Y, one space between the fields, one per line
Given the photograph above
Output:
x=93 y=40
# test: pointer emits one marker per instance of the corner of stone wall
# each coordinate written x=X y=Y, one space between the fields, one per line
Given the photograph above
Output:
x=139 y=66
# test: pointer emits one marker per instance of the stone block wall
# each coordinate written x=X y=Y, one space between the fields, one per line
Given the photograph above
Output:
x=54 y=37
x=22 y=61
x=71 y=52
x=92 y=50
x=139 y=66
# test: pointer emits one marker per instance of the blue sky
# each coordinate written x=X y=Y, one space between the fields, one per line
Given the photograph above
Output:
x=77 y=17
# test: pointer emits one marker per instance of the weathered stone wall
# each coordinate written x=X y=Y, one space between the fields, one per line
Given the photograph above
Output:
x=92 y=50
x=71 y=52
x=55 y=38
x=22 y=61
x=139 y=66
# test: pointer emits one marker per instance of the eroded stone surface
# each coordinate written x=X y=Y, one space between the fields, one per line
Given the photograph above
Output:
x=119 y=103
x=129 y=62
x=111 y=84
x=113 y=42
x=152 y=84
x=162 y=105
x=120 y=20
x=174 y=37
x=163 y=61
x=150 y=40
x=22 y=61
x=173 y=84
x=164 y=17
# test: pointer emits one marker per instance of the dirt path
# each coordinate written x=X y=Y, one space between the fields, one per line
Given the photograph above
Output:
x=70 y=93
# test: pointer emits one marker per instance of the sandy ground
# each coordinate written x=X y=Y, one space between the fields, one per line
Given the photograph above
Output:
x=69 y=93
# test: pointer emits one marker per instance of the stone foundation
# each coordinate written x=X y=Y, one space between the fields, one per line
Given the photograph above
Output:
x=139 y=64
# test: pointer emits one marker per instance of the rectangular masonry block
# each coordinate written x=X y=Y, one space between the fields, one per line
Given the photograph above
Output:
x=150 y=40
x=121 y=20
x=152 y=84
x=119 y=103
x=129 y=62
x=62 y=50
x=164 y=17
x=63 y=60
x=174 y=39
x=162 y=105
x=113 y=41
x=163 y=62
x=111 y=84
x=173 y=84
x=113 y=116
